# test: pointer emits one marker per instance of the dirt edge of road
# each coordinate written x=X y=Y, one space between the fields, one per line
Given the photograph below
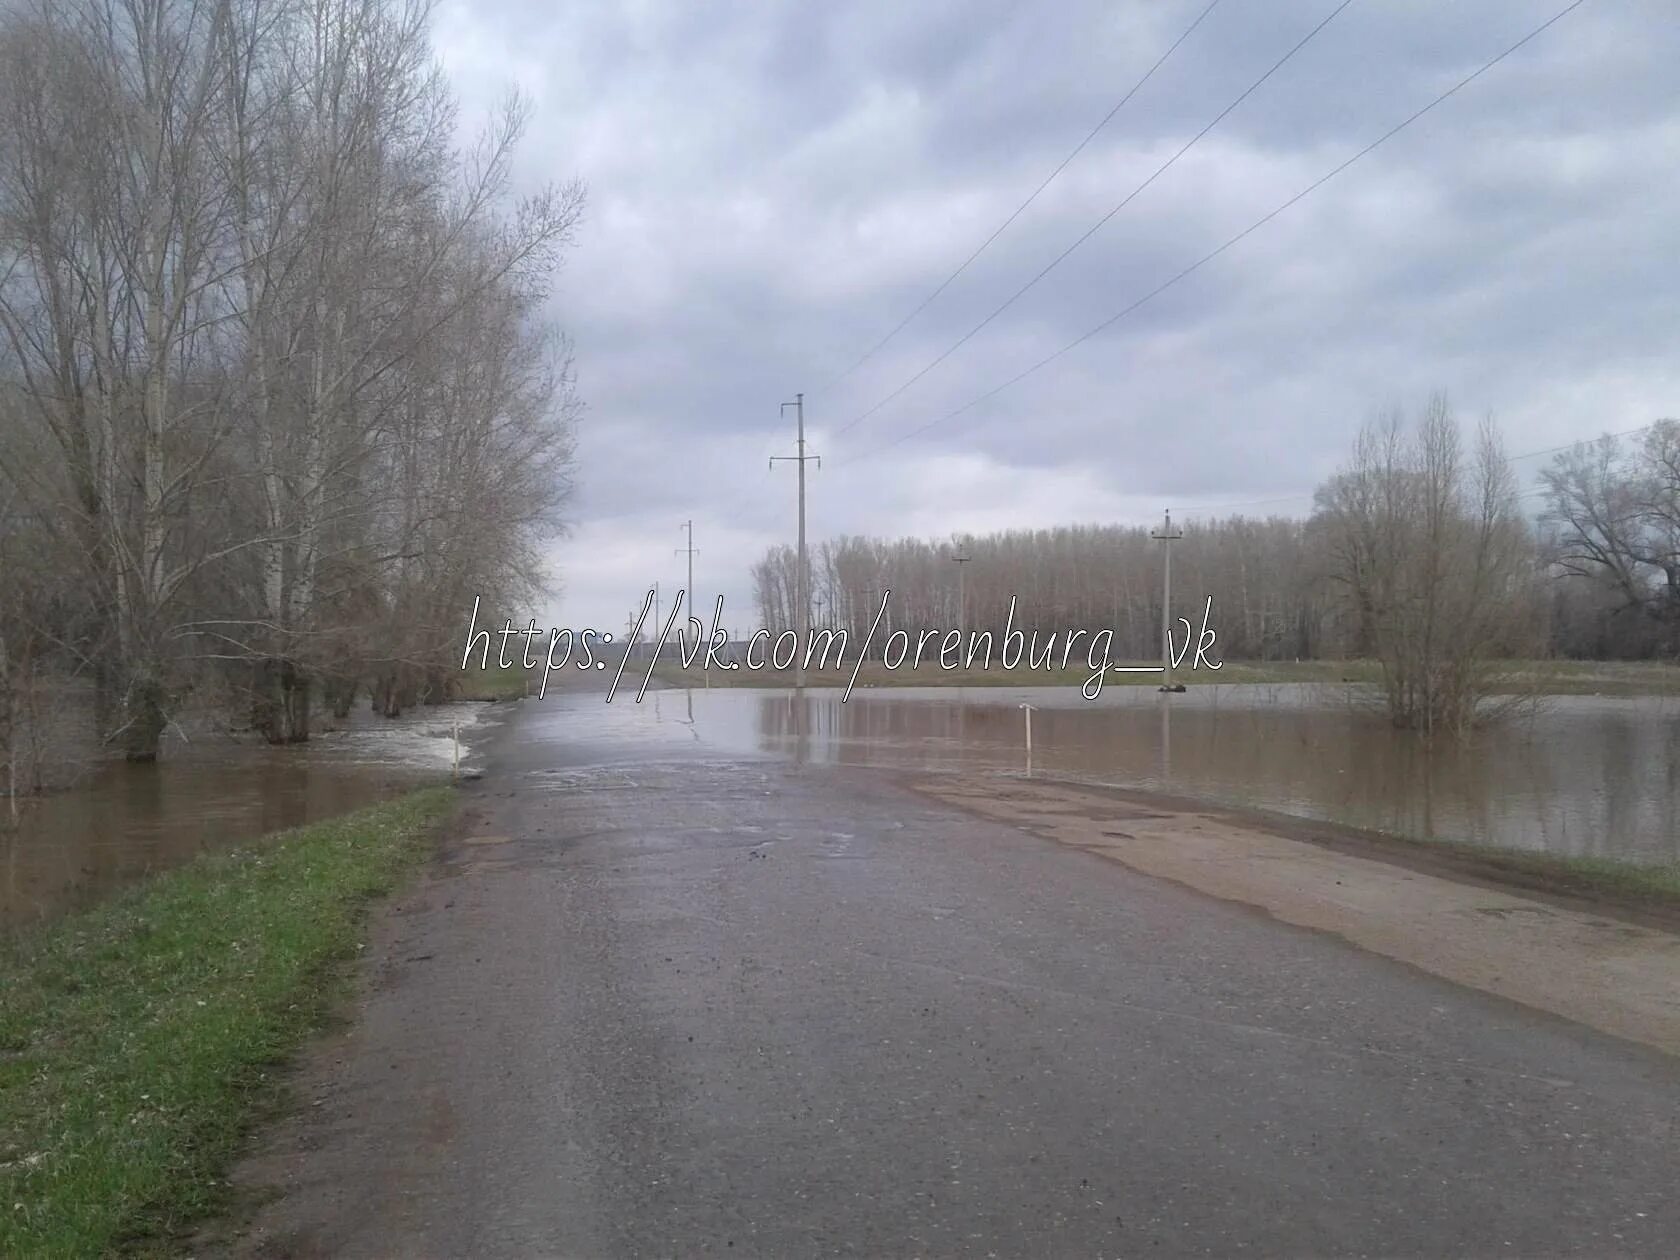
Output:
x=1489 y=868
x=1612 y=966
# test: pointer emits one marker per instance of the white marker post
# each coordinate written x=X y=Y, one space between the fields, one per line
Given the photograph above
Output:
x=1029 y=712
x=455 y=737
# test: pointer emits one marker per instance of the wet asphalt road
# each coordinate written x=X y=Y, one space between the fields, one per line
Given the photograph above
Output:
x=666 y=999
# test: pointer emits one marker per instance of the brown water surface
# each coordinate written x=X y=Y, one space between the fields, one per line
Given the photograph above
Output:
x=119 y=822
x=1586 y=775
x=1583 y=775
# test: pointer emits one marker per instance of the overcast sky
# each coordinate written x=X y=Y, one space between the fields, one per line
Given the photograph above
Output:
x=773 y=187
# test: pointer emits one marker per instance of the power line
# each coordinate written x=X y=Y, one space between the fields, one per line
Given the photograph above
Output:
x=1048 y=179
x=1509 y=459
x=1553 y=450
x=1231 y=507
x=1212 y=254
x=1095 y=227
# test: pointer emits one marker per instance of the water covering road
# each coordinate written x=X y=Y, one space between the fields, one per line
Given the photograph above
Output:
x=665 y=998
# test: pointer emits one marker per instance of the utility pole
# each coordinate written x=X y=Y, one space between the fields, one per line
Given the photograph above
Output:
x=691 y=551
x=1166 y=535
x=962 y=593
x=803 y=605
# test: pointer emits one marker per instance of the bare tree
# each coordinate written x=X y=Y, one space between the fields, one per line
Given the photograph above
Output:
x=277 y=351
x=1438 y=563
x=1614 y=517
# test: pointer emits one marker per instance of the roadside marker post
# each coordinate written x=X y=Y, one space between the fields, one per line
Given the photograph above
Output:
x=1029 y=712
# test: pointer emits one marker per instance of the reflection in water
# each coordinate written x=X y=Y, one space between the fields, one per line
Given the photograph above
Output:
x=126 y=821
x=1586 y=775
x=1164 y=702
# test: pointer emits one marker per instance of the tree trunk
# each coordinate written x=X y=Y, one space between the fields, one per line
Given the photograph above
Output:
x=384 y=697
x=437 y=685
x=340 y=696
x=143 y=733
x=280 y=709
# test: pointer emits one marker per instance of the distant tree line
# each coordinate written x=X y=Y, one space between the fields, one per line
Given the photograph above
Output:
x=1266 y=604
x=278 y=395
x=1418 y=555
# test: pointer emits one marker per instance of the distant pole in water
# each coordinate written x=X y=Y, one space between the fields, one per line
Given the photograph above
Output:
x=691 y=551
x=1029 y=711
x=802 y=606
x=962 y=593
x=1166 y=534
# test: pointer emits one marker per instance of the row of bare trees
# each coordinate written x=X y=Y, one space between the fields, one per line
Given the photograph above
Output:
x=278 y=395
x=1260 y=573
x=1419 y=556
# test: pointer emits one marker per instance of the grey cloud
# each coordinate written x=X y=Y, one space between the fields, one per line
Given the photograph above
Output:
x=774 y=186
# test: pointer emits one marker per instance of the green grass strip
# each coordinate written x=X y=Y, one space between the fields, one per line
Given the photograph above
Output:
x=496 y=683
x=139 y=1040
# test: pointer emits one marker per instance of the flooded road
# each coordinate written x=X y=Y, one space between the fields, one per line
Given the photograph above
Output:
x=666 y=991
x=1585 y=775
x=121 y=821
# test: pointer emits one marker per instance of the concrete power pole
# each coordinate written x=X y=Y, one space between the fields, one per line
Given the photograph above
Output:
x=962 y=593
x=803 y=581
x=690 y=551
x=1166 y=534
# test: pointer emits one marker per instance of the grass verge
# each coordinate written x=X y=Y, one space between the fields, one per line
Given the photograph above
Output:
x=1653 y=890
x=1649 y=894
x=1546 y=678
x=1647 y=887
x=494 y=683
x=139 y=1040
x=875 y=674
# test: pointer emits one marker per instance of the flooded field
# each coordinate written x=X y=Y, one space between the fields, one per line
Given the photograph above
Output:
x=1585 y=775
x=120 y=822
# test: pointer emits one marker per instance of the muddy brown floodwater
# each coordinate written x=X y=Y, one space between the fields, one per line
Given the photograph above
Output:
x=119 y=822
x=1584 y=775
